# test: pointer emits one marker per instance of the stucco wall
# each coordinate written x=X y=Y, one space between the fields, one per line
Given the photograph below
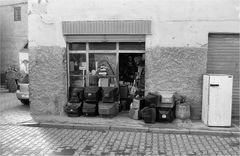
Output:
x=179 y=70
x=174 y=22
x=14 y=34
x=48 y=80
x=176 y=55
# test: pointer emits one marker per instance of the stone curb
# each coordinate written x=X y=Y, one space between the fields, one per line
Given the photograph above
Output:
x=134 y=129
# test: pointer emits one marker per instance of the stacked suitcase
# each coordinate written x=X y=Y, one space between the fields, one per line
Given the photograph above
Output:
x=108 y=107
x=92 y=96
x=74 y=107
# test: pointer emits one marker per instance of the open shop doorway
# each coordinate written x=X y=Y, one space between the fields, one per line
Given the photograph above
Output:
x=131 y=77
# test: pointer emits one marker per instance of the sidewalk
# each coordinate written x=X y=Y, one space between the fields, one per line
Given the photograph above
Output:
x=123 y=123
x=12 y=112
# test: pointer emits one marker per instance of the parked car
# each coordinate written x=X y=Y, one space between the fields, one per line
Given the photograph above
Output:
x=23 y=90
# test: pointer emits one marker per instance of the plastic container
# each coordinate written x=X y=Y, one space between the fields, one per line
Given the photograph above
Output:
x=183 y=111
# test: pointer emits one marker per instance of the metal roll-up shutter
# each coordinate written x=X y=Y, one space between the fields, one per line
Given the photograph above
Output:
x=223 y=58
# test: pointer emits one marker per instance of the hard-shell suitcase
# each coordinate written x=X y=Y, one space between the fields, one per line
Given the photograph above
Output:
x=90 y=109
x=92 y=94
x=109 y=94
x=148 y=114
x=73 y=109
x=108 y=109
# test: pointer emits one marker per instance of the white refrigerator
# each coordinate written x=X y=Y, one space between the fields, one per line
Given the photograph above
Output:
x=217 y=100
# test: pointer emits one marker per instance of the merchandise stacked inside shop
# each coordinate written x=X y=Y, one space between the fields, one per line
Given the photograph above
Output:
x=106 y=79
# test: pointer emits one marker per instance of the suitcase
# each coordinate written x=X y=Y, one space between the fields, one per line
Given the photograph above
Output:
x=108 y=109
x=148 y=114
x=92 y=94
x=90 y=109
x=73 y=109
x=109 y=94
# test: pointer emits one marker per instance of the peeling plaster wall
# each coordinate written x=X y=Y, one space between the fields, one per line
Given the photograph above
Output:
x=179 y=70
x=48 y=80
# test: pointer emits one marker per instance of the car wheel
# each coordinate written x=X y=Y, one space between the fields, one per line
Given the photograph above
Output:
x=25 y=101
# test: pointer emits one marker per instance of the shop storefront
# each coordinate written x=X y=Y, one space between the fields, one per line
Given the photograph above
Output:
x=164 y=50
x=113 y=56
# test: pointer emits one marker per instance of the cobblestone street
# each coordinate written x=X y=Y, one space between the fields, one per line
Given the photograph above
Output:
x=20 y=140
x=12 y=111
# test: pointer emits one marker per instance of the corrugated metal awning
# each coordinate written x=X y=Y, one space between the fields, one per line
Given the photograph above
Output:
x=129 y=27
x=105 y=38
